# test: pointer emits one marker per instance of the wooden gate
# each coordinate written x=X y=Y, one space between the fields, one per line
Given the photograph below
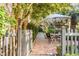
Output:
x=16 y=43
x=70 y=41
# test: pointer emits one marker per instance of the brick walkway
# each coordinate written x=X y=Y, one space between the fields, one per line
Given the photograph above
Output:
x=42 y=47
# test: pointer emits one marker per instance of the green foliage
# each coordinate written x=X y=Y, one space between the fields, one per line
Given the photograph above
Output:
x=37 y=11
x=59 y=50
x=22 y=9
x=34 y=29
x=5 y=21
x=41 y=10
x=77 y=26
x=45 y=30
x=12 y=21
x=71 y=54
x=51 y=30
x=44 y=9
x=2 y=21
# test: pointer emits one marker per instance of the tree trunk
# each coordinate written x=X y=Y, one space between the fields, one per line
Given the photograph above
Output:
x=8 y=8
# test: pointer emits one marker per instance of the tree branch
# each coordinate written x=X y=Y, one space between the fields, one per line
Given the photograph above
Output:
x=24 y=19
x=28 y=10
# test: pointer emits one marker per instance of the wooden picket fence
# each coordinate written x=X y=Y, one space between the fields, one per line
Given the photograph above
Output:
x=70 y=41
x=16 y=43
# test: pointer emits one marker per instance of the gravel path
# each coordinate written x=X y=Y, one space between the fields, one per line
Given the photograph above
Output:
x=42 y=47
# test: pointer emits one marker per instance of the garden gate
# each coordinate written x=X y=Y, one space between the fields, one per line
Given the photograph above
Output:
x=70 y=41
x=16 y=43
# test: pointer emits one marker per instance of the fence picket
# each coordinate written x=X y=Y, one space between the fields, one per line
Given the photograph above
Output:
x=67 y=44
x=31 y=40
x=1 y=50
x=19 y=42
x=27 y=38
x=72 y=43
x=3 y=46
x=10 y=45
x=6 y=41
x=72 y=37
x=63 y=41
x=76 y=51
x=13 y=46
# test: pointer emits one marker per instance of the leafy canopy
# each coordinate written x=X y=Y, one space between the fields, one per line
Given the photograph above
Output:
x=5 y=21
x=41 y=10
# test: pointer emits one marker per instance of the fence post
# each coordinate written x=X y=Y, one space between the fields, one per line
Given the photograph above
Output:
x=31 y=40
x=76 y=43
x=19 y=42
x=27 y=39
x=19 y=36
x=68 y=41
x=63 y=43
x=7 y=42
x=13 y=41
x=72 y=41
x=24 y=43
x=3 y=46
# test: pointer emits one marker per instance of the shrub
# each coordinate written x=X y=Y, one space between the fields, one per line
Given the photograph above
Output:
x=34 y=28
x=59 y=50
x=71 y=54
x=51 y=30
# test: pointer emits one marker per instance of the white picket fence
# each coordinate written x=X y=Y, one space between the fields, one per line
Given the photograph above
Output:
x=26 y=42
x=70 y=41
x=16 y=43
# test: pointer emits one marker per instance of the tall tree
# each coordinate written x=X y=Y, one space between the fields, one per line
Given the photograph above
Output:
x=22 y=12
x=41 y=10
x=36 y=10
